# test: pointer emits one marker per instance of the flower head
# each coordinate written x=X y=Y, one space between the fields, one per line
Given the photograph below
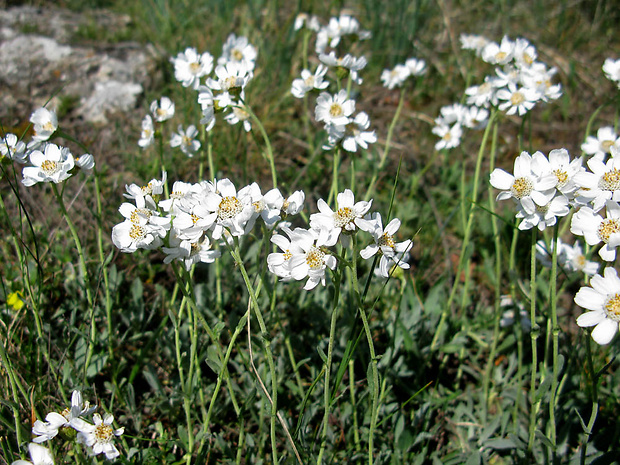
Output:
x=603 y=301
x=39 y=455
x=98 y=437
x=45 y=124
x=162 y=110
x=190 y=66
x=51 y=165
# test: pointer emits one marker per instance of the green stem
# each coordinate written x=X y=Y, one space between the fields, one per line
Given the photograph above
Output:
x=468 y=230
x=328 y=364
x=261 y=128
x=555 y=329
x=15 y=403
x=593 y=414
x=356 y=433
x=333 y=192
x=534 y=333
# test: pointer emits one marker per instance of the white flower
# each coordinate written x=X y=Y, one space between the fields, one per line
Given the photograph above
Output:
x=335 y=109
x=231 y=79
x=499 y=54
x=279 y=262
x=347 y=62
x=189 y=67
x=86 y=163
x=600 y=145
x=516 y=100
x=543 y=216
x=309 y=81
x=611 y=68
x=54 y=421
x=481 y=95
x=576 y=260
x=239 y=114
x=45 y=124
x=52 y=165
x=308 y=259
x=305 y=20
x=539 y=78
x=357 y=134
x=162 y=110
x=416 y=66
x=39 y=455
x=130 y=236
x=190 y=252
x=207 y=103
x=98 y=437
x=392 y=253
x=186 y=140
x=233 y=211
x=560 y=165
x=473 y=42
x=527 y=186
x=151 y=191
x=524 y=53
x=595 y=229
x=395 y=77
x=147 y=136
x=450 y=136
x=13 y=148
x=347 y=217
x=238 y=50
x=602 y=184
x=603 y=301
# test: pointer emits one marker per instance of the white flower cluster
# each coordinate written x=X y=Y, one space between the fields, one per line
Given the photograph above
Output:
x=545 y=189
x=97 y=436
x=336 y=110
x=570 y=258
x=516 y=86
x=48 y=162
x=331 y=34
x=305 y=252
x=397 y=76
x=611 y=68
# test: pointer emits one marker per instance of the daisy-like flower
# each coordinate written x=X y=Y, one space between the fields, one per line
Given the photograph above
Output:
x=599 y=146
x=39 y=455
x=602 y=184
x=357 y=134
x=190 y=252
x=45 y=124
x=395 y=77
x=475 y=117
x=596 y=229
x=13 y=148
x=516 y=100
x=346 y=64
x=151 y=191
x=392 y=253
x=611 y=68
x=308 y=21
x=416 y=66
x=482 y=95
x=186 y=140
x=51 y=165
x=524 y=53
x=279 y=262
x=577 y=261
x=54 y=421
x=560 y=165
x=207 y=103
x=450 y=136
x=539 y=78
x=231 y=79
x=308 y=259
x=335 y=109
x=543 y=216
x=603 y=301
x=528 y=187
x=98 y=437
x=309 y=82
x=238 y=50
x=147 y=136
x=190 y=66
x=348 y=217
x=239 y=114
x=86 y=163
x=474 y=42
x=233 y=209
x=162 y=110
x=499 y=54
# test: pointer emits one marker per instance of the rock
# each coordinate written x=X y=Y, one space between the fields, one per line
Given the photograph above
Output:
x=101 y=79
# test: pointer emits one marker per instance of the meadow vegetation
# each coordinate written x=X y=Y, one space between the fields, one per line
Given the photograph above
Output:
x=348 y=232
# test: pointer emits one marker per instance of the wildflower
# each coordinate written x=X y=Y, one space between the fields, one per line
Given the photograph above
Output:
x=238 y=50
x=348 y=217
x=233 y=209
x=602 y=184
x=190 y=252
x=473 y=42
x=528 y=186
x=392 y=253
x=279 y=262
x=55 y=421
x=52 y=165
x=347 y=64
x=14 y=300
x=358 y=134
x=611 y=68
x=139 y=233
x=45 y=124
x=508 y=316
x=162 y=110
x=596 y=229
x=309 y=259
x=542 y=216
x=189 y=67
x=98 y=437
x=238 y=114
x=416 y=67
x=560 y=165
x=305 y=20
x=501 y=54
x=334 y=109
x=539 y=78
x=395 y=77
x=207 y=103
x=599 y=146
x=86 y=163
x=39 y=455
x=450 y=136
x=147 y=137
x=186 y=140
x=309 y=82
x=151 y=191
x=13 y=148
x=231 y=79
x=603 y=301
x=524 y=52
x=516 y=100
x=481 y=95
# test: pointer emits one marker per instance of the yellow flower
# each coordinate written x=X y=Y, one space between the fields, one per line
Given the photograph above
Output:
x=14 y=299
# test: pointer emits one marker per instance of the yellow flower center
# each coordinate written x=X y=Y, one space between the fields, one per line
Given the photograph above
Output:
x=48 y=126
x=517 y=98
x=230 y=82
x=314 y=258
x=562 y=177
x=229 y=208
x=137 y=232
x=343 y=216
x=194 y=67
x=287 y=255
x=137 y=214
x=606 y=145
x=499 y=56
x=195 y=218
x=236 y=54
x=612 y=307
x=522 y=187
x=49 y=167
x=610 y=181
x=528 y=59
x=335 y=110
x=386 y=240
x=103 y=433
x=608 y=227
x=241 y=113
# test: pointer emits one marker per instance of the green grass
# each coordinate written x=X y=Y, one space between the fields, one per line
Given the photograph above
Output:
x=453 y=386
